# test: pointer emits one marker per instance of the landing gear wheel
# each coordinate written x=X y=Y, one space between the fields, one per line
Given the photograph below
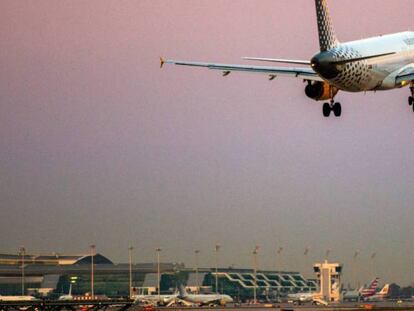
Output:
x=326 y=110
x=410 y=100
x=337 y=109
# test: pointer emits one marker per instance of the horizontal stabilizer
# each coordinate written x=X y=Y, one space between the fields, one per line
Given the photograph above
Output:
x=162 y=62
x=279 y=60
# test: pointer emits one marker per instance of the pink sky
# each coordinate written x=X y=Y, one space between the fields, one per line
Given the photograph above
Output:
x=94 y=135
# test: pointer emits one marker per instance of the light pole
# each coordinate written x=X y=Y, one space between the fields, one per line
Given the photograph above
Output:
x=130 y=249
x=158 y=250
x=92 y=272
x=305 y=254
x=255 y=252
x=373 y=256
x=22 y=253
x=278 y=254
x=196 y=252
x=216 y=249
x=328 y=252
x=356 y=254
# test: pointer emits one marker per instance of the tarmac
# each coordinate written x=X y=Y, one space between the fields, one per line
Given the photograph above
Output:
x=382 y=306
x=122 y=305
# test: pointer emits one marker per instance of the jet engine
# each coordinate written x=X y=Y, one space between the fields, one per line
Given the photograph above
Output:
x=319 y=90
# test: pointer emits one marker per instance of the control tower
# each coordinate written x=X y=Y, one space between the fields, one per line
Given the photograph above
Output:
x=329 y=276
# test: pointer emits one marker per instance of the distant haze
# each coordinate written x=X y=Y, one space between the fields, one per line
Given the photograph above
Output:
x=100 y=146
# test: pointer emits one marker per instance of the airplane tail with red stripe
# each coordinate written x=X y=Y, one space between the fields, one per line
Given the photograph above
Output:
x=371 y=290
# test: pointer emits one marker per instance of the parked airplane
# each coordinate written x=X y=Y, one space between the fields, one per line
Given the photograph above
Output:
x=369 y=293
x=371 y=290
x=381 y=295
x=158 y=300
x=17 y=298
x=378 y=63
x=68 y=296
x=303 y=297
x=204 y=299
x=299 y=298
x=352 y=295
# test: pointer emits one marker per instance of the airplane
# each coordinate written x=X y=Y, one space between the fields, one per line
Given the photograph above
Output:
x=381 y=295
x=364 y=293
x=158 y=300
x=352 y=295
x=378 y=63
x=314 y=297
x=68 y=296
x=371 y=290
x=203 y=299
x=17 y=298
x=303 y=297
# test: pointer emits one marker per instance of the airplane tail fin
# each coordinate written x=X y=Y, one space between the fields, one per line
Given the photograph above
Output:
x=384 y=291
x=182 y=291
x=327 y=38
x=374 y=284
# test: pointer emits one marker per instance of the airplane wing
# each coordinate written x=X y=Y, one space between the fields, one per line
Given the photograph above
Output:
x=272 y=72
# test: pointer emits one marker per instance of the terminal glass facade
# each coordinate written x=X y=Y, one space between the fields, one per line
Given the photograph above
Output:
x=52 y=275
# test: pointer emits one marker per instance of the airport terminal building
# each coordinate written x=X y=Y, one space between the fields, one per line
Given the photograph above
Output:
x=51 y=275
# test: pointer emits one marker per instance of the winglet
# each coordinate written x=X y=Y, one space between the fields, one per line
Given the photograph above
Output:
x=162 y=62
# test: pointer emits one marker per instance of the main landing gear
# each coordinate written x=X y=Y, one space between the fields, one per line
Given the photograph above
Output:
x=332 y=106
x=328 y=107
x=411 y=98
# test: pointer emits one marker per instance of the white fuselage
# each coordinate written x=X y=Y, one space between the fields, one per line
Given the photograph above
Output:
x=377 y=73
x=66 y=297
x=155 y=299
x=208 y=298
x=302 y=297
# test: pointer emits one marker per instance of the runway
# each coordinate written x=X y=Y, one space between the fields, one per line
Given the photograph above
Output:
x=384 y=306
x=307 y=308
x=122 y=305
